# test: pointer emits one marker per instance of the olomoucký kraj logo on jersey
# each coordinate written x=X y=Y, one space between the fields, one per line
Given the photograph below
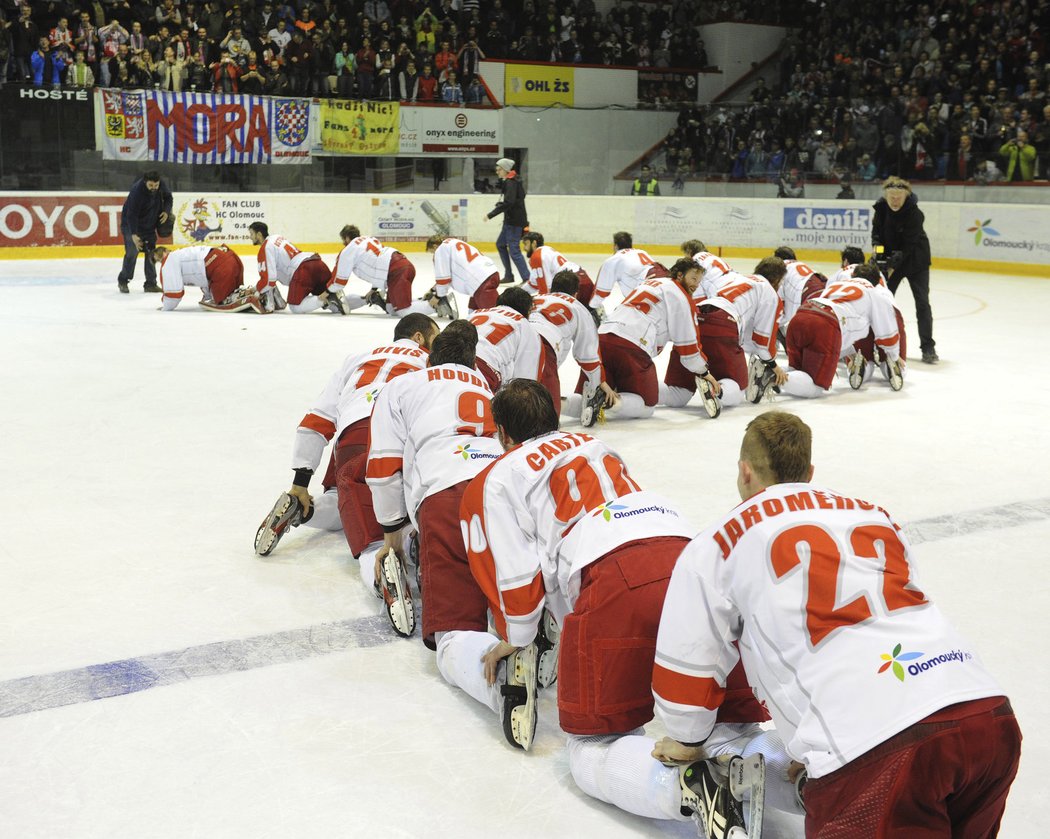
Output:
x=893 y=661
x=470 y=453
x=610 y=511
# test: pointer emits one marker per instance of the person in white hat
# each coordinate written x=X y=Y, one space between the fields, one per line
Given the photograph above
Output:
x=515 y=220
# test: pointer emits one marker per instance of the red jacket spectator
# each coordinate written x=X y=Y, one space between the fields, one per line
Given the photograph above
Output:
x=428 y=86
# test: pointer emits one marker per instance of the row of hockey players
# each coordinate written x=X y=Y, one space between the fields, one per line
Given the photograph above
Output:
x=598 y=586
x=735 y=314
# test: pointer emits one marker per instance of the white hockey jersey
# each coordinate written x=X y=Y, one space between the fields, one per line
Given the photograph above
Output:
x=564 y=323
x=508 y=343
x=349 y=396
x=544 y=263
x=460 y=266
x=367 y=257
x=714 y=269
x=626 y=268
x=657 y=313
x=753 y=303
x=183 y=267
x=544 y=511
x=847 y=274
x=836 y=638
x=431 y=430
x=278 y=260
x=860 y=306
x=799 y=284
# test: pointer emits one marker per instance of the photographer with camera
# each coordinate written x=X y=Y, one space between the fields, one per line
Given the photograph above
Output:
x=1019 y=156
x=902 y=251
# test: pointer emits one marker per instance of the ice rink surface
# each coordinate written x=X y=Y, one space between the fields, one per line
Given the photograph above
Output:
x=157 y=679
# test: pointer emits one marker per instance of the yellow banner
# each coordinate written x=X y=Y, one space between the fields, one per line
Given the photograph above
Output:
x=360 y=127
x=539 y=84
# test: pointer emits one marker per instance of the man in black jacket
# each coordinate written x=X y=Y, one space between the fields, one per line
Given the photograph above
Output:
x=903 y=251
x=147 y=206
x=515 y=220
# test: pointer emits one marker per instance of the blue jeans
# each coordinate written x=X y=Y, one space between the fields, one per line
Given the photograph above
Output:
x=509 y=246
x=131 y=253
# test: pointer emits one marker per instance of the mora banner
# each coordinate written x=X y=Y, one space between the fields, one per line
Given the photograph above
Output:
x=359 y=127
x=539 y=84
x=192 y=127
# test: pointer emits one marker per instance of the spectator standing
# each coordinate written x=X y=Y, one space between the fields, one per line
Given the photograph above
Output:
x=451 y=90
x=1019 y=156
x=345 y=65
x=25 y=38
x=148 y=205
x=80 y=75
x=791 y=185
x=897 y=234
x=365 y=60
x=408 y=83
x=645 y=183
x=515 y=220
x=427 y=85
x=47 y=66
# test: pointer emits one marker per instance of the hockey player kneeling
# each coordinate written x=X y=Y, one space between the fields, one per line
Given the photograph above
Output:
x=218 y=272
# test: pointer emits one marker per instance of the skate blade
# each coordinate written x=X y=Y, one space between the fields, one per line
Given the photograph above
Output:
x=400 y=608
x=748 y=775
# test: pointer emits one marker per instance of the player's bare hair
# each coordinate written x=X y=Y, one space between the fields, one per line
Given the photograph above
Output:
x=779 y=447
x=895 y=182
x=622 y=239
x=566 y=282
x=523 y=408
x=535 y=237
x=453 y=347
x=463 y=327
x=517 y=299
x=691 y=247
x=678 y=270
x=784 y=252
x=259 y=227
x=869 y=272
x=773 y=269
x=434 y=241
x=349 y=231
x=852 y=255
x=415 y=322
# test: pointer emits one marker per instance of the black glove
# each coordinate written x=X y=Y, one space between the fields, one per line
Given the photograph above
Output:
x=896 y=260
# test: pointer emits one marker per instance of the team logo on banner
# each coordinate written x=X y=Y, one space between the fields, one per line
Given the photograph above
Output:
x=195 y=218
x=292 y=119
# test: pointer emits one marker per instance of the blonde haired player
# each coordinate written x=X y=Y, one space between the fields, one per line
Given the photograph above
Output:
x=459 y=266
x=900 y=729
x=218 y=272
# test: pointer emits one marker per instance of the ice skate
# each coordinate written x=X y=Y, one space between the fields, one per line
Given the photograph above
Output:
x=713 y=791
x=894 y=373
x=855 y=368
x=548 y=642
x=712 y=404
x=518 y=711
x=446 y=307
x=336 y=302
x=759 y=377
x=398 y=597
x=593 y=403
x=375 y=298
x=286 y=513
x=413 y=557
x=278 y=300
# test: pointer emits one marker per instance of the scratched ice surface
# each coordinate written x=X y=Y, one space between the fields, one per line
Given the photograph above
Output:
x=158 y=679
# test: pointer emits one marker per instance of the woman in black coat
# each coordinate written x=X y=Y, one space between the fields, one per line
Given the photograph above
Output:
x=897 y=233
x=515 y=220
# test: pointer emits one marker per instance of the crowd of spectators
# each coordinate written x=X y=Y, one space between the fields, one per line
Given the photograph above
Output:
x=369 y=49
x=948 y=90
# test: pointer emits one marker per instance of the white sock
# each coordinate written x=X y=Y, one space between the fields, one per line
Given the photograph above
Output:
x=631 y=406
x=421 y=307
x=731 y=393
x=326 y=511
x=621 y=770
x=368 y=566
x=354 y=301
x=780 y=792
x=309 y=304
x=674 y=397
x=459 y=655
x=572 y=405
x=800 y=384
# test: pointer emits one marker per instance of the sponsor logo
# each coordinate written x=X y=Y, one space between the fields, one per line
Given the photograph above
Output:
x=461 y=120
x=39 y=93
x=468 y=453
x=195 y=217
x=610 y=511
x=981 y=229
x=372 y=394
x=827 y=218
x=892 y=661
